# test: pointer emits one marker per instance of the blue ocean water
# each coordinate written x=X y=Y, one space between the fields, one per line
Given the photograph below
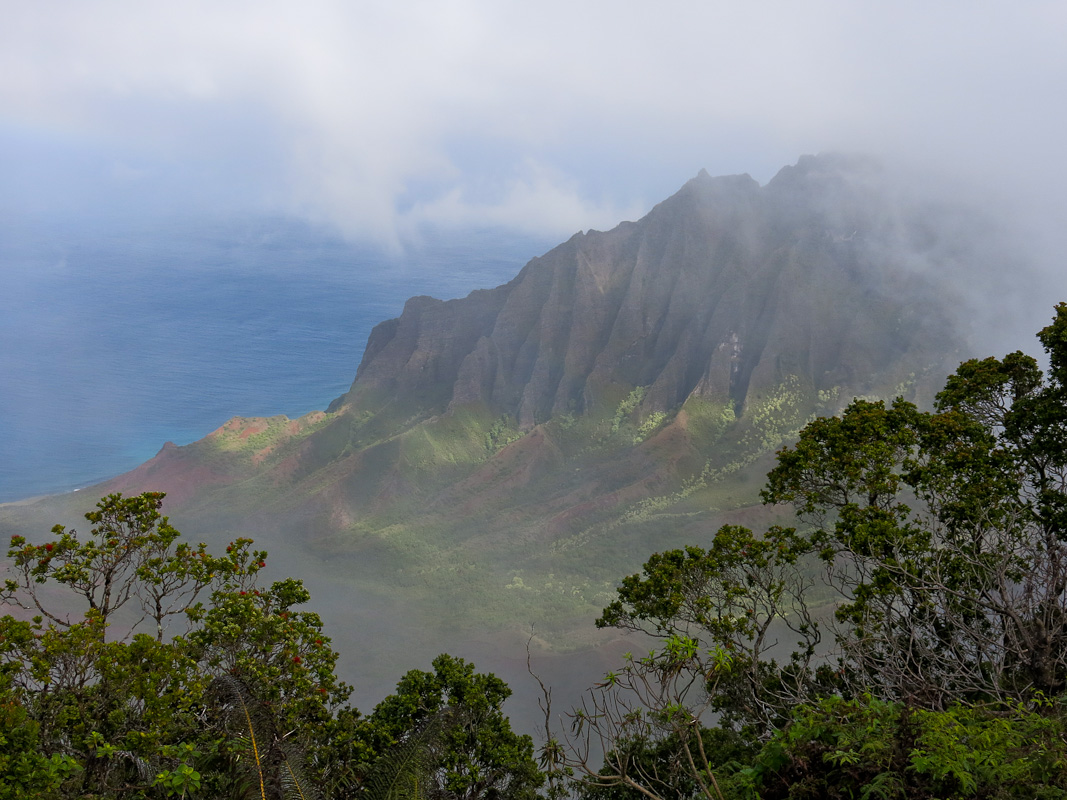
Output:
x=115 y=338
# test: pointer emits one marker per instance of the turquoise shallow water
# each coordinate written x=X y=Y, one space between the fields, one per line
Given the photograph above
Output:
x=115 y=339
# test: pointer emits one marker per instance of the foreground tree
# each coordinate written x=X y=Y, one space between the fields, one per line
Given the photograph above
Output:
x=477 y=755
x=944 y=534
x=143 y=666
x=114 y=672
x=930 y=571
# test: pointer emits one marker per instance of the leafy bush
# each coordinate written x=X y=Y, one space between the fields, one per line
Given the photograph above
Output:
x=867 y=748
x=903 y=641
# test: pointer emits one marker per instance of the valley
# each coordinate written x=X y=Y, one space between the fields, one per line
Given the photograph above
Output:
x=502 y=460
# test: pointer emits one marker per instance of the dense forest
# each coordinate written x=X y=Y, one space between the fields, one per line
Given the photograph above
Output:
x=907 y=638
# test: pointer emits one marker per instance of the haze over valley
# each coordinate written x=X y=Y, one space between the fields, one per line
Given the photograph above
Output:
x=501 y=459
x=462 y=311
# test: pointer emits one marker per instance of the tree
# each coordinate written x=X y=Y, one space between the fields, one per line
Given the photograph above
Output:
x=124 y=704
x=480 y=756
x=944 y=534
x=131 y=554
x=930 y=569
x=640 y=733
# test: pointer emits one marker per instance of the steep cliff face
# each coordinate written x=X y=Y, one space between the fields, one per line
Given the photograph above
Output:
x=623 y=376
x=617 y=384
x=501 y=460
x=723 y=289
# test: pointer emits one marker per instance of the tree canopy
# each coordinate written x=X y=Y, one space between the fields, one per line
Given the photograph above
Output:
x=140 y=665
x=907 y=638
x=922 y=594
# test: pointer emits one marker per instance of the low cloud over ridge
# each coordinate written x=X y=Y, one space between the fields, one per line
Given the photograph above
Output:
x=379 y=117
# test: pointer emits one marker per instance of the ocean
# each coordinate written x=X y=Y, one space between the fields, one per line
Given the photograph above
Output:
x=116 y=338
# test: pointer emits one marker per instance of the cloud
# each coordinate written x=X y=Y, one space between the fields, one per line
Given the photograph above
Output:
x=376 y=116
x=538 y=200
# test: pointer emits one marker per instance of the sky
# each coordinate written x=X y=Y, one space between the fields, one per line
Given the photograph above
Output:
x=376 y=118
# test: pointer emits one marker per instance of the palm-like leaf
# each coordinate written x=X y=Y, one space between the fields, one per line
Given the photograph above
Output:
x=273 y=766
x=405 y=772
x=294 y=782
x=256 y=728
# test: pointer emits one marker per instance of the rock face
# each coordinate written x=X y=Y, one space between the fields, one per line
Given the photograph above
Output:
x=722 y=289
x=501 y=460
x=625 y=378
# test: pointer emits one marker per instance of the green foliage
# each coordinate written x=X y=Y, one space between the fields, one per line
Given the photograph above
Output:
x=661 y=764
x=649 y=426
x=271 y=764
x=182 y=780
x=25 y=771
x=779 y=416
x=945 y=533
x=501 y=433
x=407 y=769
x=627 y=407
x=924 y=644
x=867 y=748
x=131 y=557
x=734 y=442
x=262 y=435
x=280 y=652
x=125 y=709
x=730 y=599
x=479 y=755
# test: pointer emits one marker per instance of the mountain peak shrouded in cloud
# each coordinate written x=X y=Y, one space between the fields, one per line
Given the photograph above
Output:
x=729 y=307
x=719 y=289
x=621 y=394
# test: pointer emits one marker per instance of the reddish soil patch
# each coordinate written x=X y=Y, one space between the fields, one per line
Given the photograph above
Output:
x=170 y=471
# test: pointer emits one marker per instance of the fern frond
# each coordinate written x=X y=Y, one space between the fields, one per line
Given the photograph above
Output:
x=275 y=765
x=257 y=727
x=295 y=783
x=406 y=770
x=146 y=770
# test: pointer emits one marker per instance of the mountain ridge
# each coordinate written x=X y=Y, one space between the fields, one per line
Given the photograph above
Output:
x=724 y=298
x=502 y=459
x=649 y=311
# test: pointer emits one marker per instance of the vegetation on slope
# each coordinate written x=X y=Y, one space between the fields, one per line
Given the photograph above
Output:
x=163 y=670
x=906 y=641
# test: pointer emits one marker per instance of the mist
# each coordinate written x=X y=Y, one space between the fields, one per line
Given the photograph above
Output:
x=382 y=125
x=381 y=121
x=378 y=118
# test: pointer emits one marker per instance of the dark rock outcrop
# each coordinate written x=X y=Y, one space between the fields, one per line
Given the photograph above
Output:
x=720 y=290
x=501 y=460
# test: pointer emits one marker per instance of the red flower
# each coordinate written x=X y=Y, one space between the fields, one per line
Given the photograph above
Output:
x=297 y=660
x=243 y=594
x=263 y=563
x=49 y=547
